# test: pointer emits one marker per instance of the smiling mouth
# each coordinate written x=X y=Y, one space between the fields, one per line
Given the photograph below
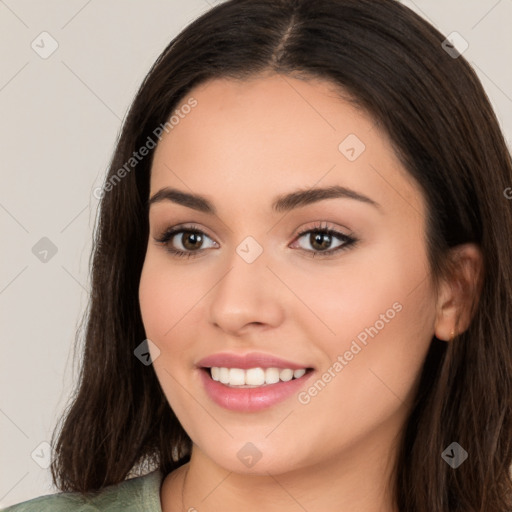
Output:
x=254 y=377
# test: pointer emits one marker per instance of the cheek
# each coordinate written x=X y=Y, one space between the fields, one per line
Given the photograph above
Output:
x=165 y=304
x=351 y=295
x=382 y=313
x=164 y=297
x=154 y=301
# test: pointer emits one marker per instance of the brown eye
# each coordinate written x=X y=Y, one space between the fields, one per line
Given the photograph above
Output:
x=320 y=241
x=321 y=238
x=191 y=240
x=183 y=241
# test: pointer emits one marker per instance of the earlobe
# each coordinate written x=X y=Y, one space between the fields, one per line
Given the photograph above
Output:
x=459 y=293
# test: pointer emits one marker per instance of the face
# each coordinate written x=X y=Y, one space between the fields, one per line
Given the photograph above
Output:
x=337 y=284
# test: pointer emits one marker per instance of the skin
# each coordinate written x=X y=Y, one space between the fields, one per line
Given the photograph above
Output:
x=242 y=145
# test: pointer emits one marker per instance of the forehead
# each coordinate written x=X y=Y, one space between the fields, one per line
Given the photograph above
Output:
x=244 y=140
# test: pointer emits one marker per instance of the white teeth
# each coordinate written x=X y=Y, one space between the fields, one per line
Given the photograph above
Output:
x=254 y=377
x=224 y=375
x=236 y=377
x=286 y=375
x=271 y=375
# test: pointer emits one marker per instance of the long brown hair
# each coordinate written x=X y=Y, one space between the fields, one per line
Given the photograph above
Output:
x=391 y=63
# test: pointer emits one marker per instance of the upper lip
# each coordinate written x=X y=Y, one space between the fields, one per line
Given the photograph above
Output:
x=250 y=360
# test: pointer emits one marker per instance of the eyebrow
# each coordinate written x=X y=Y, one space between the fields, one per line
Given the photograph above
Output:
x=283 y=203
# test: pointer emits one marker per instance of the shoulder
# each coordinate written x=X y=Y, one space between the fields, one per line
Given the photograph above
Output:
x=134 y=495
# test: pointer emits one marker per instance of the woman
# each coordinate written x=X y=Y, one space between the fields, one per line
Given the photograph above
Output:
x=302 y=276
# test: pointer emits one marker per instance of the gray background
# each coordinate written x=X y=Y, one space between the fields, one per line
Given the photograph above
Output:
x=60 y=117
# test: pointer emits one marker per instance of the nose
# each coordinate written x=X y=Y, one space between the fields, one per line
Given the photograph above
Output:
x=248 y=296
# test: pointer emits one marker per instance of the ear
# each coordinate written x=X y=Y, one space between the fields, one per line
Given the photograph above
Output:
x=459 y=292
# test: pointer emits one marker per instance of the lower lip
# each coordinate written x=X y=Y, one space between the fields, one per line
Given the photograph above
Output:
x=251 y=399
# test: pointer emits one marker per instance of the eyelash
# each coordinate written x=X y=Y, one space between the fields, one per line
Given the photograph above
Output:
x=350 y=241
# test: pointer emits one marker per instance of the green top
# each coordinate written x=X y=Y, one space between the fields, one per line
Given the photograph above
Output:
x=140 y=494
